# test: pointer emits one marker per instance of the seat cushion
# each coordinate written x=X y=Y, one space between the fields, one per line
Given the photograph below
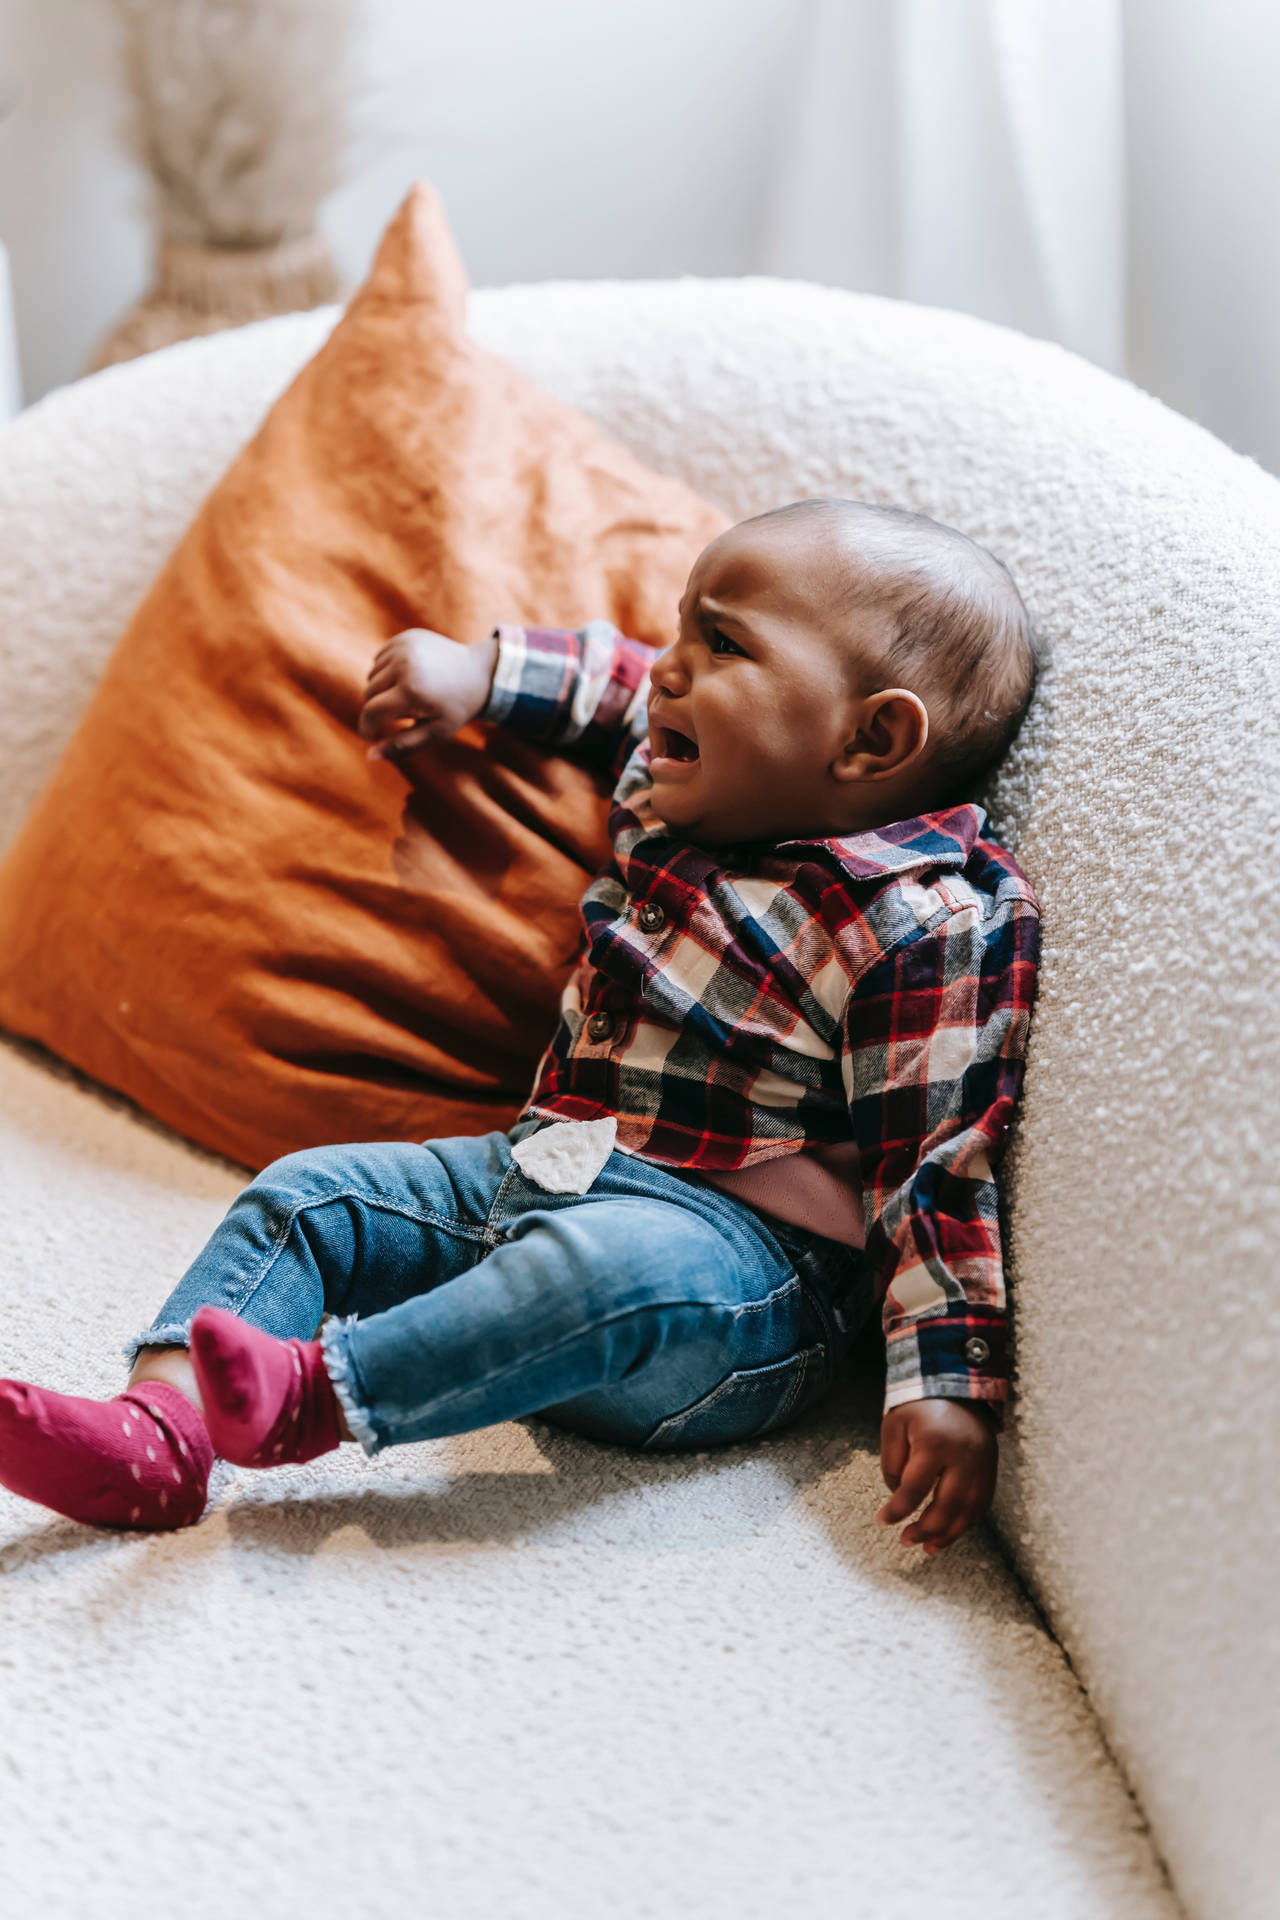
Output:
x=510 y=1672
x=218 y=907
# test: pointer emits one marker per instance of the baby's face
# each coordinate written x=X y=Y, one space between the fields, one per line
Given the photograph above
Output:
x=752 y=703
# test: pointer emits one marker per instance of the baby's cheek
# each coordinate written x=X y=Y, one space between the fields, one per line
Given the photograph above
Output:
x=774 y=756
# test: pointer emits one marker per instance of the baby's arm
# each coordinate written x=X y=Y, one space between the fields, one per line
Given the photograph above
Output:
x=936 y=1033
x=580 y=690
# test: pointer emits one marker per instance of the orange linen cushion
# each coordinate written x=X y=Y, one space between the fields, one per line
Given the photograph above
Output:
x=218 y=906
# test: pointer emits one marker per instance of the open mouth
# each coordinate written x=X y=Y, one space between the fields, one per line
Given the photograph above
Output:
x=670 y=744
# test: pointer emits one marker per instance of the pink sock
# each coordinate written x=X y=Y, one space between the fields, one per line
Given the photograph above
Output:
x=140 y=1460
x=267 y=1402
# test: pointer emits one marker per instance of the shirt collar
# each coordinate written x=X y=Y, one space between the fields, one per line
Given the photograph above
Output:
x=944 y=839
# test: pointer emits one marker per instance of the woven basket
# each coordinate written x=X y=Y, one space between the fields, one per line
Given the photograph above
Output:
x=204 y=289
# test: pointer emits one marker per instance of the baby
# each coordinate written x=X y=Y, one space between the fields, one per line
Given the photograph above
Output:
x=784 y=1067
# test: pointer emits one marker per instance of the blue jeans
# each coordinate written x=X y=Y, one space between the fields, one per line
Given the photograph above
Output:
x=653 y=1311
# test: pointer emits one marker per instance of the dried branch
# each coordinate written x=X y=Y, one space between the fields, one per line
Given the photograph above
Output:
x=242 y=112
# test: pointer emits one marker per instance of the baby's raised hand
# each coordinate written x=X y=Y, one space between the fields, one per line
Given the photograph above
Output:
x=424 y=686
x=943 y=1446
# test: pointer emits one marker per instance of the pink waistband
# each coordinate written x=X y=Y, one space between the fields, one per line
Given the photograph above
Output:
x=817 y=1188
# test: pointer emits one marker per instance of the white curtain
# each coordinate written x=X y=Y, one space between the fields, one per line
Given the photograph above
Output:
x=960 y=153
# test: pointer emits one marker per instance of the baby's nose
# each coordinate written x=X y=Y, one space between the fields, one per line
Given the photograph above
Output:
x=668 y=673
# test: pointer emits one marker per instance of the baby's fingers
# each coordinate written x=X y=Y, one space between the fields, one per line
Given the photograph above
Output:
x=403 y=739
x=391 y=653
x=383 y=673
x=382 y=710
x=918 y=1477
x=894 y=1448
x=952 y=1511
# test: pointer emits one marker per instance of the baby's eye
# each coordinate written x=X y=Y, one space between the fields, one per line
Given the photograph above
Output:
x=721 y=643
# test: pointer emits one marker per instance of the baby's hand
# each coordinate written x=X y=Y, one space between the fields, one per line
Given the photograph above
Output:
x=946 y=1445
x=423 y=686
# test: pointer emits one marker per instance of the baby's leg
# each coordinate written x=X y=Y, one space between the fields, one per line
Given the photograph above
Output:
x=346 y=1229
x=339 y=1229
x=616 y=1315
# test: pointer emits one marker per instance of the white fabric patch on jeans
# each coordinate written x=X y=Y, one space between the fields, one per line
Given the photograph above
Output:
x=567 y=1156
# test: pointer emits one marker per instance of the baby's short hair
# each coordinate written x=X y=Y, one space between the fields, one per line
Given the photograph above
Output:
x=963 y=639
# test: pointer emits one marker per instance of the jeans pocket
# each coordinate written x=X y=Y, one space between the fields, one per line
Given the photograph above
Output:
x=744 y=1405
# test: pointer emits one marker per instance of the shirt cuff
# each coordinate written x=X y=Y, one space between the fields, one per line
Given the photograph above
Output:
x=961 y=1356
x=508 y=675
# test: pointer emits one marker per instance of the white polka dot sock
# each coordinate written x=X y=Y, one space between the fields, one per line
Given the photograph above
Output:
x=140 y=1460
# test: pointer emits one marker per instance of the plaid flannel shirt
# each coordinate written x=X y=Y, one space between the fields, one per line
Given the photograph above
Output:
x=732 y=1005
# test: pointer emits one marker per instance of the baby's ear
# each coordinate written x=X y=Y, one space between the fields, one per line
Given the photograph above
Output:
x=888 y=732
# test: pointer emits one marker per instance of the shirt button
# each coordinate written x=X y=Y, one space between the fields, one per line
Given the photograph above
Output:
x=976 y=1352
x=601 y=1026
x=651 y=917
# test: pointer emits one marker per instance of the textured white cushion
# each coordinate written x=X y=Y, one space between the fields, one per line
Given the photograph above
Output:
x=1139 y=1475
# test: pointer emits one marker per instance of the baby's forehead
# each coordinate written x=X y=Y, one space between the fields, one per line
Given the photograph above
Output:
x=769 y=558
x=802 y=571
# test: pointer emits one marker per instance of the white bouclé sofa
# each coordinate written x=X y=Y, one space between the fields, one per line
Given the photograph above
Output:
x=513 y=1673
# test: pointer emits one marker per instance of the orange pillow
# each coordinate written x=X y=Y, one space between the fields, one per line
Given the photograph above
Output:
x=218 y=906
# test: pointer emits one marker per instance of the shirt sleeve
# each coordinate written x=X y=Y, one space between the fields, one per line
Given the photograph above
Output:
x=585 y=690
x=935 y=1041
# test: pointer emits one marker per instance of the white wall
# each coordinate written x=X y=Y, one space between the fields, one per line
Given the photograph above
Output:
x=571 y=138
x=637 y=138
x=1204 y=213
x=70 y=210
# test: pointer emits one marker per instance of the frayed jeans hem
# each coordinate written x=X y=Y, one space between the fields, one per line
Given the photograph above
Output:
x=174 y=1333
x=338 y=1367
